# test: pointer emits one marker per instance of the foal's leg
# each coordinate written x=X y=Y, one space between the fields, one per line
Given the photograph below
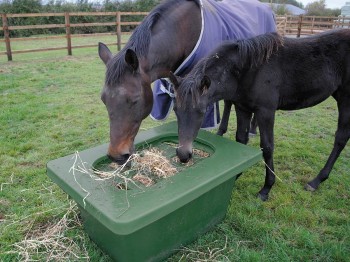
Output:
x=342 y=136
x=243 y=124
x=266 y=119
x=225 y=117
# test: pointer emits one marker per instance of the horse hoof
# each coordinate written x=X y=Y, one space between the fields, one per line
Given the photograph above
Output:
x=263 y=197
x=252 y=134
x=307 y=187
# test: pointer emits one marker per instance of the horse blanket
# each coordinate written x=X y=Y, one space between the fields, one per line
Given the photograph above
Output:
x=221 y=21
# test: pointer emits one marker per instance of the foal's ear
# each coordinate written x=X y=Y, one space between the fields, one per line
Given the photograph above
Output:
x=175 y=80
x=104 y=53
x=205 y=84
x=131 y=59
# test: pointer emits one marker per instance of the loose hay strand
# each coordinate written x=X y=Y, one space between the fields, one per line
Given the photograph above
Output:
x=211 y=255
x=98 y=175
x=2 y=184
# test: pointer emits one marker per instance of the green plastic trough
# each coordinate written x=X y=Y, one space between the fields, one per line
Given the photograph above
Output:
x=150 y=223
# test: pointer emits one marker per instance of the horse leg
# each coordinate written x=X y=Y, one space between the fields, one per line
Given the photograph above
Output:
x=225 y=117
x=243 y=123
x=342 y=136
x=253 y=126
x=266 y=119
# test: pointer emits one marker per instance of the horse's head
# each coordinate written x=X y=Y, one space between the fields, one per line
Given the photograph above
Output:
x=190 y=106
x=212 y=79
x=128 y=98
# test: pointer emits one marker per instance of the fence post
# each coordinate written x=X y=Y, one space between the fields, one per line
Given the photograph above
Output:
x=68 y=34
x=119 y=32
x=299 y=25
x=7 y=37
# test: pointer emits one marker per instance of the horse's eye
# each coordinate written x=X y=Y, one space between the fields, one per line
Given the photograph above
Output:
x=131 y=102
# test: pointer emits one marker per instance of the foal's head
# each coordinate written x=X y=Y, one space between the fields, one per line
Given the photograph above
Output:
x=207 y=82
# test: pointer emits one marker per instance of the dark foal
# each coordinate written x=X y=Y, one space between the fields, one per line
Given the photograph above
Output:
x=265 y=74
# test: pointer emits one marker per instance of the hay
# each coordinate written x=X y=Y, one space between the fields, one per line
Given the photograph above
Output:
x=145 y=180
x=9 y=183
x=200 y=153
x=196 y=152
x=152 y=161
x=50 y=243
x=210 y=255
x=148 y=165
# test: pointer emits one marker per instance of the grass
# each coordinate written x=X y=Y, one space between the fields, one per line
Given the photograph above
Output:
x=50 y=107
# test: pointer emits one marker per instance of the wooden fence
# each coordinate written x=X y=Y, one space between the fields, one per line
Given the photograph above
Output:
x=308 y=25
x=6 y=28
x=287 y=25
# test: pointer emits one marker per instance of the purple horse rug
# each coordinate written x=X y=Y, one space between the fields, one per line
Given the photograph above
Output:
x=221 y=21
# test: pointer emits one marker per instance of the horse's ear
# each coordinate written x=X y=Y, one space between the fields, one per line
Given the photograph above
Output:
x=104 y=53
x=131 y=59
x=205 y=84
x=175 y=80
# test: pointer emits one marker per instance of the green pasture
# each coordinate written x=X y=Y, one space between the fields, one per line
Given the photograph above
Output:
x=50 y=107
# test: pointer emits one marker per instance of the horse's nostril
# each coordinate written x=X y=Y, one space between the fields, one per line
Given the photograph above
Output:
x=126 y=156
x=120 y=160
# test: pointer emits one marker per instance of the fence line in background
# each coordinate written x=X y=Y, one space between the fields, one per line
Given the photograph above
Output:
x=67 y=25
x=287 y=25
x=308 y=25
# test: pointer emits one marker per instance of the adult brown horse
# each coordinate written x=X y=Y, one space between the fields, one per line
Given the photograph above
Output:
x=160 y=44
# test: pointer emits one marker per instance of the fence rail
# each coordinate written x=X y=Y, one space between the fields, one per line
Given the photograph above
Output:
x=286 y=25
x=7 y=28
x=308 y=25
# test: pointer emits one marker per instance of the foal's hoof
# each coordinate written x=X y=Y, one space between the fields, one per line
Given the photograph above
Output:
x=308 y=187
x=263 y=197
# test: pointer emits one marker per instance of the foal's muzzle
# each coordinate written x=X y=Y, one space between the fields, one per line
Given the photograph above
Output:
x=183 y=155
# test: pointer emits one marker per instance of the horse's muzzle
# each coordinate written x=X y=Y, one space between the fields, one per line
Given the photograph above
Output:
x=120 y=160
x=183 y=155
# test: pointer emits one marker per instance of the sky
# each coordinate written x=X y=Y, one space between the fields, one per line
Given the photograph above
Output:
x=329 y=3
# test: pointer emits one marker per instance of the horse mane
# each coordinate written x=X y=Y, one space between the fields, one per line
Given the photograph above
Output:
x=255 y=51
x=235 y=56
x=139 y=41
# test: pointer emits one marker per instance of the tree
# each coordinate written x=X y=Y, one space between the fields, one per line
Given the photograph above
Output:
x=26 y=6
x=285 y=2
x=318 y=8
